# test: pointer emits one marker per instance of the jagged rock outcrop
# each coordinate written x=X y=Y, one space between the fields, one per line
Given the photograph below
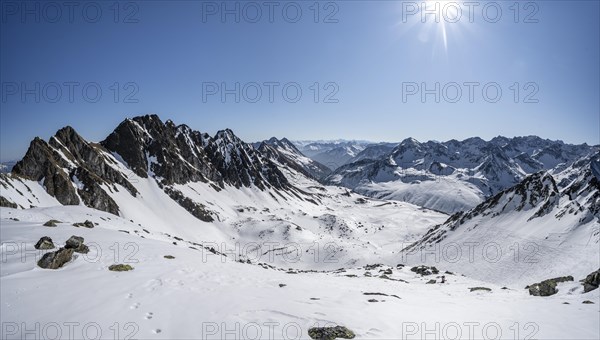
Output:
x=177 y=155
x=73 y=170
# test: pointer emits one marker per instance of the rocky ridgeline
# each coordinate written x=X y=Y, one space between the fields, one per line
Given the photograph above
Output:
x=75 y=171
x=499 y=163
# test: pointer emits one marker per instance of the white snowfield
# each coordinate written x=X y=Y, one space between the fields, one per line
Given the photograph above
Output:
x=199 y=295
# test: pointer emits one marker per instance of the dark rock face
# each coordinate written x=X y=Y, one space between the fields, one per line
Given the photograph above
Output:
x=330 y=333
x=76 y=243
x=44 y=243
x=592 y=281
x=57 y=259
x=73 y=169
x=196 y=209
x=6 y=203
x=547 y=287
x=69 y=159
x=178 y=155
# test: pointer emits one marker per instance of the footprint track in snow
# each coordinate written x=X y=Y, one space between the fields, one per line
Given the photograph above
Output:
x=149 y=316
x=135 y=305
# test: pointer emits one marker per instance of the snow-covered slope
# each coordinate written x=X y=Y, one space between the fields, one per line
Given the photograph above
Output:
x=532 y=231
x=197 y=294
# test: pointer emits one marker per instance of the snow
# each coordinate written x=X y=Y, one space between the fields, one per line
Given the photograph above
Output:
x=207 y=296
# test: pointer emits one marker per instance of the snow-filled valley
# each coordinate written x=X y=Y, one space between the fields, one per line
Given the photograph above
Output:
x=226 y=240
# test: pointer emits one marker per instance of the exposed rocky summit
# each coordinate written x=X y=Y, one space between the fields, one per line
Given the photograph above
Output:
x=72 y=169
x=76 y=171
x=178 y=154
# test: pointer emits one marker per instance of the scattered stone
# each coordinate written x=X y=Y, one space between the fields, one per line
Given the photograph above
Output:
x=350 y=275
x=373 y=266
x=449 y=273
x=368 y=274
x=170 y=257
x=504 y=288
x=281 y=285
x=120 y=268
x=388 y=272
x=315 y=298
x=330 y=333
x=373 y=300
x=566 y=303
x=424 y=270
x=588 y=302
x=86 y=224
x=76 y=243
x=547 y=287
x=51 y=223
x=592 y=281
x=56 y=259
x=44 y=243
x=485 y=289
x=430 y=282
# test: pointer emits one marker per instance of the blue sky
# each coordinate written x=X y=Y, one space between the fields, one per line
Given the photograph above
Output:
x=364 y=64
